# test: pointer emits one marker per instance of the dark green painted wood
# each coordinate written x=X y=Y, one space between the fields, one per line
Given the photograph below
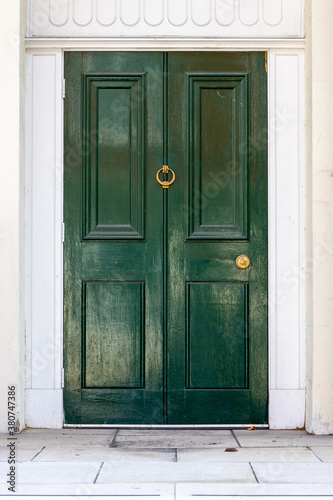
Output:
x=217 y=337
x=160 y=324
x=110 y=196
x=114 y=122
x=238 y=152
x=217 y=125
x=113 y=339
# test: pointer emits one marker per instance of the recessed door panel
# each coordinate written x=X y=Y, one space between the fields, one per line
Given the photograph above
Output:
x=217 y=337
x=114 y=340
x=218 y=145
x=114 y=130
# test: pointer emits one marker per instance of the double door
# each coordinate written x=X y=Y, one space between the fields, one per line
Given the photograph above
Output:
x=165 y=258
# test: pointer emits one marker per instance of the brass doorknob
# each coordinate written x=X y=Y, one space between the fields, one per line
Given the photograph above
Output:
x=242 y=262
x=165 y=170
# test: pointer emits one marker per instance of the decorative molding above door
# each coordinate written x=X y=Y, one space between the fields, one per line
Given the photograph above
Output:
x=166 y=18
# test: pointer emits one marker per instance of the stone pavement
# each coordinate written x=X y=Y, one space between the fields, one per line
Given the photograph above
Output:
x=168 y=464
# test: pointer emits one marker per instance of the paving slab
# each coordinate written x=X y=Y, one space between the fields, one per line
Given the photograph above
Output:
x=292 y=455
x=86 y=491
x=255 y=497
x=71 y=431
x=52 y=472
x=320 y=473
x=174 y=491
x=324 y=453
x=173 y=439
x=104 y=454
x=22 y=453
x=262 y=438
x=73 y=438
x=169 y=496
x=175 y=472
x=252 y=491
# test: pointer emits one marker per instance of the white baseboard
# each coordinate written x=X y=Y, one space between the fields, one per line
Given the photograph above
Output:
x=286 y=409
x=44 y=408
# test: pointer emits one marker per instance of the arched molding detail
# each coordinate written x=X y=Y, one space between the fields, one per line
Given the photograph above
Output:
x=166 y=18
x=269 y=10
x=148 y=5
x=249 y=9
x=103 y=8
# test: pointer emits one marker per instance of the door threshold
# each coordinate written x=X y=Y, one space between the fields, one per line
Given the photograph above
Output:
x=165 y=426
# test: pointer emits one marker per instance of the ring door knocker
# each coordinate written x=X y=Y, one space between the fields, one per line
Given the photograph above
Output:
x=165 y=170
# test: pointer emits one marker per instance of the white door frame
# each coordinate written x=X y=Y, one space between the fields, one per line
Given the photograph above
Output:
x=44 y=205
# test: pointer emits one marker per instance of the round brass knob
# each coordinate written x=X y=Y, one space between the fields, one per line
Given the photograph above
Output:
x=242 y=262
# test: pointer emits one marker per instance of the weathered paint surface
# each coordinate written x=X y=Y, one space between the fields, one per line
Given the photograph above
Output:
x=160 y=324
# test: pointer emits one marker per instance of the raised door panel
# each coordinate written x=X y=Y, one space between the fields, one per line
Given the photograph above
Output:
x=217 y=336
x=114 y=141
x=217 y=170
x=113 y=343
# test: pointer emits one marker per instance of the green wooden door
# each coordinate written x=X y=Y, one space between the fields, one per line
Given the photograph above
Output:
x=161 y=326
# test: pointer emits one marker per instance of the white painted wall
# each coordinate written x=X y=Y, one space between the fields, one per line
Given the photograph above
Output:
x=319 y=84
x=286 y=234
x=44 y=215
x=286 y=240
x=44 y=245
x=12 y=224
